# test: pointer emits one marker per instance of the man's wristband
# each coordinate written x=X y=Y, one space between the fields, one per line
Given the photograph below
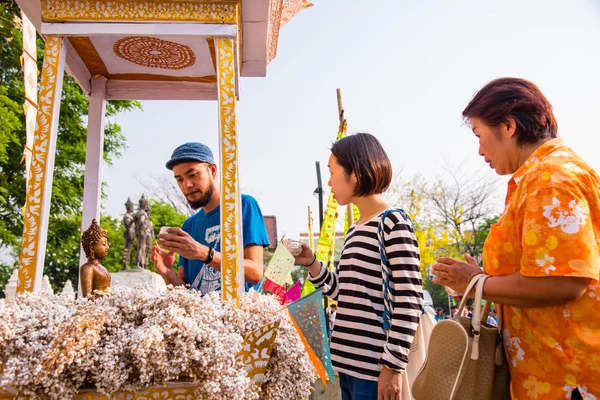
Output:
x=211 y=255
x=311 y=263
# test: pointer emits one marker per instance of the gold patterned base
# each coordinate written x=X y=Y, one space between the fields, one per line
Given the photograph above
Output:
x=175 y=391
x=212 y=12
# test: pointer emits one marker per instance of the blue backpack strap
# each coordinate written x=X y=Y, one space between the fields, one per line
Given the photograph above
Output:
x=386 y=271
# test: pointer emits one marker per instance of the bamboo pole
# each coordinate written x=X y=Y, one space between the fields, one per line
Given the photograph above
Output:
x=340 y=108
x=311 y=238
x=342 y=117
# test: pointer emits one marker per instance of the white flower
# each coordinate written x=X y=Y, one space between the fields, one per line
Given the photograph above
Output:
x=546 y=263
x=560 y=153
x=584 y=391
x=569 y=219
x=513 y=347
x=573 y=167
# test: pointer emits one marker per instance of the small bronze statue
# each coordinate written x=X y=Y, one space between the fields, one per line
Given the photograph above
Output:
x=144 y=231
x=128 y=233
x=93 y=276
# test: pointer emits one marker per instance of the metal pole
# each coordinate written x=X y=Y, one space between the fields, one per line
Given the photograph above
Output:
x=320 y=195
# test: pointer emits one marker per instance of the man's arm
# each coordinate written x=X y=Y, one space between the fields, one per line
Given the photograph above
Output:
x=171 y=278
x=253 y=263
x=182 y=243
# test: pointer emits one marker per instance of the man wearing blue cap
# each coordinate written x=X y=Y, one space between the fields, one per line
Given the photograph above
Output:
x=198 y=242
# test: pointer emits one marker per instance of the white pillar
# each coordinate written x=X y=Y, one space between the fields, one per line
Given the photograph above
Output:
x=39 y=187
x=94 y=150
x=10 y=290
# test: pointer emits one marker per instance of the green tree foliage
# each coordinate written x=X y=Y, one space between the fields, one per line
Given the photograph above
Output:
x=115 y=230
x=413 y=195
x=62 y=257
x=162 y=214
x=5 y=271
x=62 y=250
x=481 y=233
x=439 y=296
x=67 y=187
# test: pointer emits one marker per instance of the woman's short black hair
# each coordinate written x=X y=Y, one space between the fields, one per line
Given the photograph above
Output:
x=363 y=155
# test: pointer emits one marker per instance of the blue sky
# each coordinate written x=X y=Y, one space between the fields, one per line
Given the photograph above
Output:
x=406 y=70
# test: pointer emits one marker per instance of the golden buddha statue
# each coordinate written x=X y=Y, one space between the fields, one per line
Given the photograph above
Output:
x=93 y=276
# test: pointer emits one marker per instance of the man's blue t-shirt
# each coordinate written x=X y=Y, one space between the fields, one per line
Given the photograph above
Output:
x=206 y=229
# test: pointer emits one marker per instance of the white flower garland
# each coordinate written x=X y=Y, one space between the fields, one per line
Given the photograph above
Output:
x=51 y=346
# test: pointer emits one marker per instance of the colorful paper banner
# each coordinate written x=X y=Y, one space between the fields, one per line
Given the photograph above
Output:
x=308 y=318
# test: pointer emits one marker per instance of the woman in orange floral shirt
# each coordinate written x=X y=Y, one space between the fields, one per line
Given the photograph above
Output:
x=543 y=252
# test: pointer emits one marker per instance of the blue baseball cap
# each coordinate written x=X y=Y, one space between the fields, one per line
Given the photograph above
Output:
x=191 y=151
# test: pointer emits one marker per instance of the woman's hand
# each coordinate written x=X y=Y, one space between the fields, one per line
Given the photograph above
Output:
x=455 y=274
x=389 y=384
x=306 y=257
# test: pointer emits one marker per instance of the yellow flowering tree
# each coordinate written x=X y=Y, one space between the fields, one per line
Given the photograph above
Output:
x=449 y=218
x=434 y=239
x=464 y=202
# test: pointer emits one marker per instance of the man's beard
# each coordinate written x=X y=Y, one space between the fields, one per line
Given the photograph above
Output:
x=203 y=200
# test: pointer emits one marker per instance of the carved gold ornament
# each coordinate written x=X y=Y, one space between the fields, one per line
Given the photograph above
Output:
x=256 y=351
x=139 y=10
x=154 y=53
x=174 y=392
x=230 y=208
x=39 y=168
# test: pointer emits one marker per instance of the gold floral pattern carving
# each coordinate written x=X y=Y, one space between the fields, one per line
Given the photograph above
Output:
x=4 y=395
x=139 y=10
x=256 y=351
x=230 y=199
x=291 y=8
x=175 y=392
x=154 y=53
x=41 y=146
x=274 y=26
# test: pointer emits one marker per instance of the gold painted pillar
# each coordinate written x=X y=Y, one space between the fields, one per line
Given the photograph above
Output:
x=39 y=187
x=232 y=268
x=30 y=82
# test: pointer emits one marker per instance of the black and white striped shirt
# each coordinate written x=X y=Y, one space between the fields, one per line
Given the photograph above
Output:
x=359 y=346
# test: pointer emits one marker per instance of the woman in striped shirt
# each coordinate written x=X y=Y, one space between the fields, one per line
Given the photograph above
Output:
x=369 y=360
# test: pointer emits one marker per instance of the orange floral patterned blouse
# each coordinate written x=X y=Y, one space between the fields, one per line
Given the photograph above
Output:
x=551 y=227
